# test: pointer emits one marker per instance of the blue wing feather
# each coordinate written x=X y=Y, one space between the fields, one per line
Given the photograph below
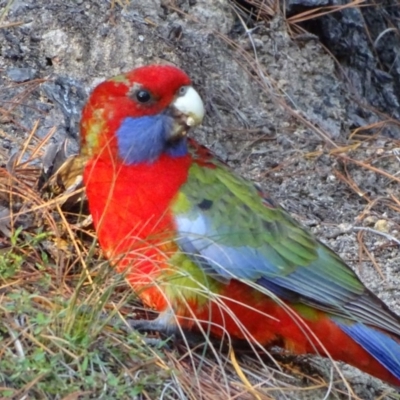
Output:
x=231 y=230
x=198 y=239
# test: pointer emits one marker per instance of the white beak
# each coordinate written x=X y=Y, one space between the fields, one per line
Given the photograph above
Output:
x=190 y=105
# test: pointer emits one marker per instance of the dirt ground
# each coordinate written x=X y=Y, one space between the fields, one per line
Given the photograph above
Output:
x=258 y=88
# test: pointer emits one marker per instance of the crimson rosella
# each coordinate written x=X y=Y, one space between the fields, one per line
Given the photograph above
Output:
x=207 y=248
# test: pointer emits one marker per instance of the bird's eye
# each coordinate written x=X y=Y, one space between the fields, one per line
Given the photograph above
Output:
x=143 y=96
x=182 y=90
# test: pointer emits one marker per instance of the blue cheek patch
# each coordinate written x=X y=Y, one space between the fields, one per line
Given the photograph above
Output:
x=144 y=139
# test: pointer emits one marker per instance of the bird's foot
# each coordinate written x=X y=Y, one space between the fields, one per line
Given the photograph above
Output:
x=150 y=325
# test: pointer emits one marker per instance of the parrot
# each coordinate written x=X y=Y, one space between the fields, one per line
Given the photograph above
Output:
x=208 y=249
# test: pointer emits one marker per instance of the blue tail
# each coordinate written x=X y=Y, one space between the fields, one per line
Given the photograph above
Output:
x=382 y=347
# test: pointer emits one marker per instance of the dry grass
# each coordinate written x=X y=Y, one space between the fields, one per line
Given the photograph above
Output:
x=64 y=312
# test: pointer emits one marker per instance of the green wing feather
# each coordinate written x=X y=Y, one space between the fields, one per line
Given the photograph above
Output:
x=231 y=230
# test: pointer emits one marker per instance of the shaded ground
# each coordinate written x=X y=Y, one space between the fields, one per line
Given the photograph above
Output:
x=312 y=160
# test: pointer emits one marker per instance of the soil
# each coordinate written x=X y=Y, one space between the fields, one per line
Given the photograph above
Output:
x=258 y=86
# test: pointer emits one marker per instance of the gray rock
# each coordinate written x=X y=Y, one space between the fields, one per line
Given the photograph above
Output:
x=21 y=74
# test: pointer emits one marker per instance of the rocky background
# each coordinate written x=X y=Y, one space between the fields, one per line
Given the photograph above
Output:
x=308 y=106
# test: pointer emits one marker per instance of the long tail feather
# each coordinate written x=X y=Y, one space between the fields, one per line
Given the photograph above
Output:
x=381 y=346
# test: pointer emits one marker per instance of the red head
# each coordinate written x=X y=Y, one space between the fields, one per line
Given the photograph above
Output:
x=145 y=108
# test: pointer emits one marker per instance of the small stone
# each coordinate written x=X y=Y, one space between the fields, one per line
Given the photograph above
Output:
x=370 y=220
x=382 y=225
x=331 y=178
x=55 y=43
x=21 y=74
x=345 y=227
